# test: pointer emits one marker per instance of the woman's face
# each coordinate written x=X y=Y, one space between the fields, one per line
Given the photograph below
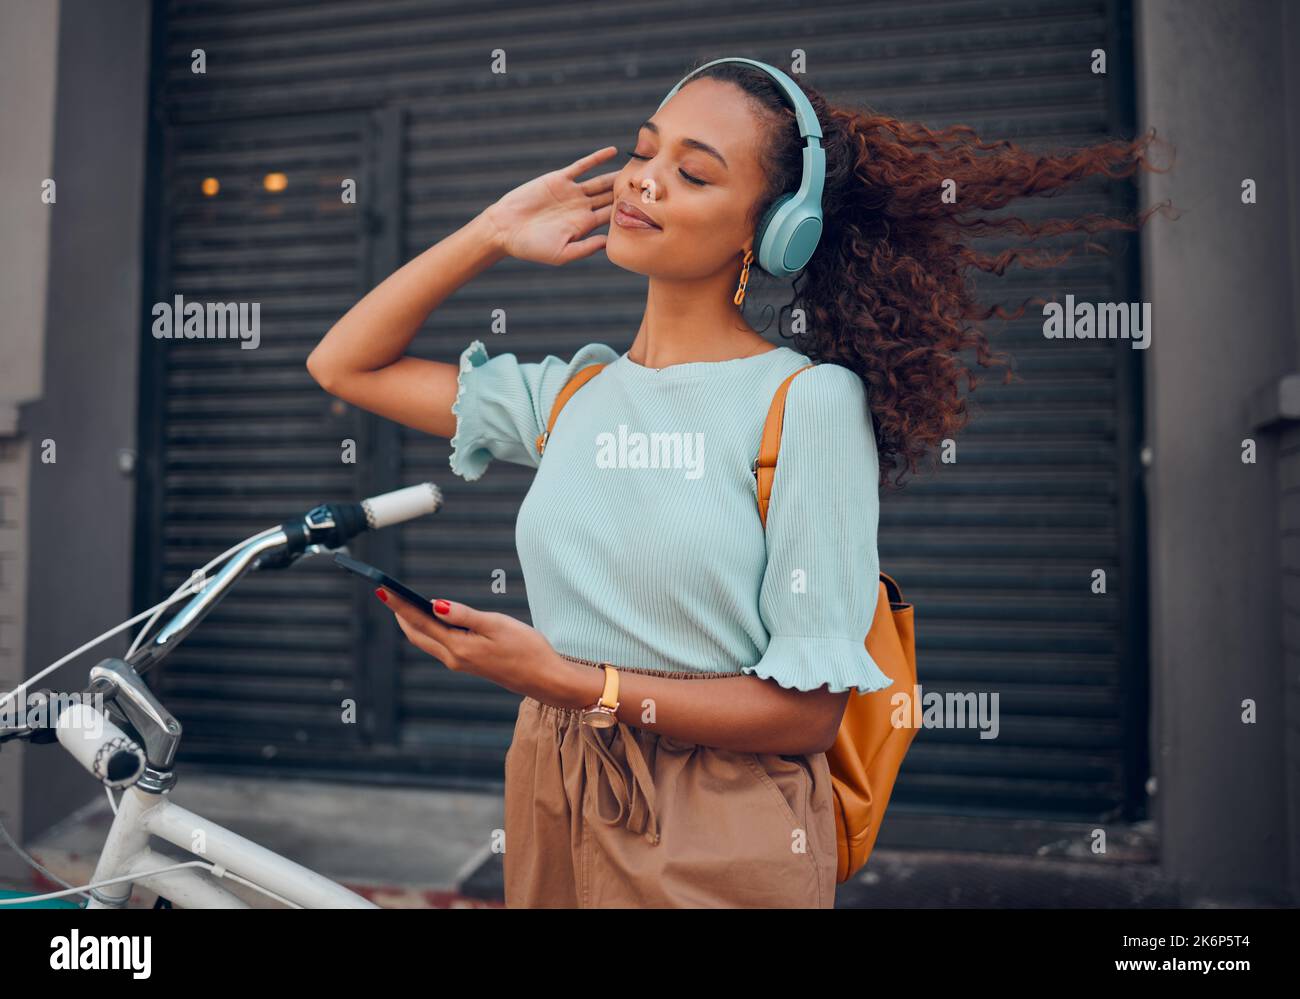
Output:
x=695 y=173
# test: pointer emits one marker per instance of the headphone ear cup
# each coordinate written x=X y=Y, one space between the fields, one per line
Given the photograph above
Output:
x=766 y=255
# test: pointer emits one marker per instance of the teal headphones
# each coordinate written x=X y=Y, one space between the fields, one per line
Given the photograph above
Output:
x=788 y=232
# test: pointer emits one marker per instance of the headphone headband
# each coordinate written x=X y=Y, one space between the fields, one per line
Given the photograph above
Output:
x=803 y=110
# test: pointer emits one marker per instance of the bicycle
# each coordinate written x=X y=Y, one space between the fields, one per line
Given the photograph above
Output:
x=138 y=755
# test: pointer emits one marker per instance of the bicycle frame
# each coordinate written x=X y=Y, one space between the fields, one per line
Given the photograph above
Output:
x=126 y=852
x=145 y=808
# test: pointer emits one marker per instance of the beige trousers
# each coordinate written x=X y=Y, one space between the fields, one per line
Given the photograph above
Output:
x=626 y=818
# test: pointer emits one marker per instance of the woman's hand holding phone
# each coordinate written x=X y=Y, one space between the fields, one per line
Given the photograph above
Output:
x=494 y=646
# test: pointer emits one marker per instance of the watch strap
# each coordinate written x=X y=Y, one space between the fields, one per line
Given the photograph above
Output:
x=609 y=696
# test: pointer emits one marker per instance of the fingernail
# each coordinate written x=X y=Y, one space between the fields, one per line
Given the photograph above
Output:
x=441 y=606
x=382 y=595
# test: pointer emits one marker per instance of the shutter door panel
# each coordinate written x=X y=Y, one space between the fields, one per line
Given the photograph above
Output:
x=996 y=551
x=247 y=438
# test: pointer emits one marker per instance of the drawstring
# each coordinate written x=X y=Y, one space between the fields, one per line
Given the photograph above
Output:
x=637 y=802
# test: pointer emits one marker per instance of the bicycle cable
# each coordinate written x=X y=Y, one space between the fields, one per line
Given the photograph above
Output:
x=201 y=574
x=214 y=869
x=186 y=589
x=178 y=595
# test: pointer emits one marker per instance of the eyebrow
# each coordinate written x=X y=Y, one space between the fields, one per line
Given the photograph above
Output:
x=703 y=147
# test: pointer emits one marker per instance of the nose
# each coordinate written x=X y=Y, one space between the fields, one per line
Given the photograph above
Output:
x=645 y=188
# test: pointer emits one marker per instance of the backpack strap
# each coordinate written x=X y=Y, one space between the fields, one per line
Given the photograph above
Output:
x=764 y=466
x=573 y=384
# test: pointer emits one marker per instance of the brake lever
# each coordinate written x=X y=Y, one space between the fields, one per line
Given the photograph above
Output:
x=283 y=559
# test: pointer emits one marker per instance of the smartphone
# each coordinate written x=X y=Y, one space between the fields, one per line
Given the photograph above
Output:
x=380 y=578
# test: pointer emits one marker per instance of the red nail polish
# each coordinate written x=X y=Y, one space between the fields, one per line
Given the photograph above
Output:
x=382 y=595
x=441 y=606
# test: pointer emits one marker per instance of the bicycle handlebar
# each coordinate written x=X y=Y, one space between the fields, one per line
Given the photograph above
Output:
x=325 y=527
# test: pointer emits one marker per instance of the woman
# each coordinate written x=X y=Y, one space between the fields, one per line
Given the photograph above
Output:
x=700 y=793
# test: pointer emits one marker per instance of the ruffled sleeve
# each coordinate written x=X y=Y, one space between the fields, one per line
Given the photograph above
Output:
x=501 y=405
x=819 y=591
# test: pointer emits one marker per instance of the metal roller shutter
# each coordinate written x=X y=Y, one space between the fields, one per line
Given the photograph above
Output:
x=245 y=437
x=996 y=551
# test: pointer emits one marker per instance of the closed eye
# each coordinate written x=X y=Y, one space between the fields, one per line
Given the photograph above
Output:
x=694 y=180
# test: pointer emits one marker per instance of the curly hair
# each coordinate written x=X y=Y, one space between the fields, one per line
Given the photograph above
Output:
x=888 y=291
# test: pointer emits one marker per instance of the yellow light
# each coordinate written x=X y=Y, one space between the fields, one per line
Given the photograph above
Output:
x=275 y=182
x=211 y=186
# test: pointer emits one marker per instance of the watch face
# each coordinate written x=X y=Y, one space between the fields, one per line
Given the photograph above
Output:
x=600 y=719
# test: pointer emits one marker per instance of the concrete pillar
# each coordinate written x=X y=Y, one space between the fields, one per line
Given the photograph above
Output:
x=1216 y=79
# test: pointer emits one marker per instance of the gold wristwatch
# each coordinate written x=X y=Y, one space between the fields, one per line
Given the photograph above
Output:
x=602 y=714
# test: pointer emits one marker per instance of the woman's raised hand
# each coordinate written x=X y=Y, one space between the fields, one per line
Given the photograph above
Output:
x=545 y=219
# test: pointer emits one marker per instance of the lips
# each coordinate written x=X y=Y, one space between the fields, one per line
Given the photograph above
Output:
x=631 y=212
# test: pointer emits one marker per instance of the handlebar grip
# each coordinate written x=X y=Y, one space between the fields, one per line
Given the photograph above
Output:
x=334 y=524
x=401 y=505
x=101 y=747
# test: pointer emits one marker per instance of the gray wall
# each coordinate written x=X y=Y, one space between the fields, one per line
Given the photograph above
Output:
x=1219 y=278
x=27 y=68
x=80 y=508
x=28 y=42
x=1288 y=430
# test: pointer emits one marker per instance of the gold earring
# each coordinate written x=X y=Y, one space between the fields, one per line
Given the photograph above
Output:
x=744 y=278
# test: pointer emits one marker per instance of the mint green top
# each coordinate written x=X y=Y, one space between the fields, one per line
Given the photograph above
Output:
x=640 y=538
